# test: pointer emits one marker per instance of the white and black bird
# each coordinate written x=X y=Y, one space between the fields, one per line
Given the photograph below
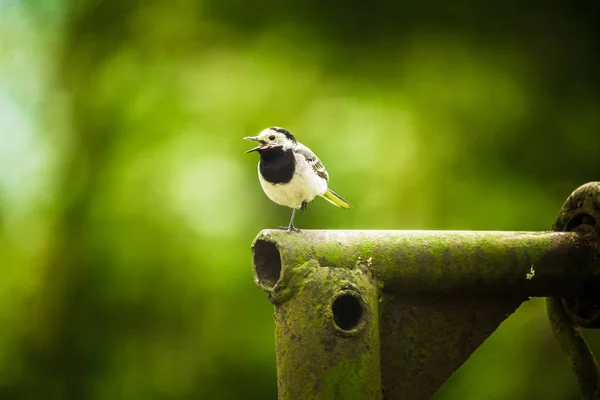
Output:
x=290 y=173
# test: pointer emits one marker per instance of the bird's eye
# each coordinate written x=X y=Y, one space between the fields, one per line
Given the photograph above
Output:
x=272 y=137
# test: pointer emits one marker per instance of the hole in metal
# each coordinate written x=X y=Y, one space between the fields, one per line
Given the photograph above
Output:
x=267 y=263
x=580 y=219
x=347 y=312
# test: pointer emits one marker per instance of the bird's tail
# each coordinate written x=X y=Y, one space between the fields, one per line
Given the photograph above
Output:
x=335 y=199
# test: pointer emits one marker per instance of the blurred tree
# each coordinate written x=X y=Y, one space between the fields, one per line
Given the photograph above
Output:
x=127 y=264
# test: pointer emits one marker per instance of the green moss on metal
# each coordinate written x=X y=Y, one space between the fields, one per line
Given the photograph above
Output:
x=425 y=337
x=293 y=280
x=444 y=262
x=342 y=365
x=346 y=380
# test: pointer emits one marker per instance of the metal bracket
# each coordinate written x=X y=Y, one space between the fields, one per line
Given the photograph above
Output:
x=391 y=314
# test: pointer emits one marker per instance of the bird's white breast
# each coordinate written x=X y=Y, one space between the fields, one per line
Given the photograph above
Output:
x=305 y=185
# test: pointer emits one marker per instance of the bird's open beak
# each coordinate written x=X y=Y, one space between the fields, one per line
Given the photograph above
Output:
x=255 y=139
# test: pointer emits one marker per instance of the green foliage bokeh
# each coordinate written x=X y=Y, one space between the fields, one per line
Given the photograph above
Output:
x=127 y=206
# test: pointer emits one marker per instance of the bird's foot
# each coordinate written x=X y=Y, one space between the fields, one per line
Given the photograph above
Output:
x=289 y=228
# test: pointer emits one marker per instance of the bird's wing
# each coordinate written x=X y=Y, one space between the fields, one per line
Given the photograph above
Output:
x=312 y=160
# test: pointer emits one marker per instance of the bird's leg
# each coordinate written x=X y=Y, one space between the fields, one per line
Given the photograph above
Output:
x=291 y=226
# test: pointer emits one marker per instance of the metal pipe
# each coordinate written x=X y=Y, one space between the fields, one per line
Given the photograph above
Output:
x=580 y=213
x=457 y=282
x=327 y=335
x=559 y=264
x=372 y=314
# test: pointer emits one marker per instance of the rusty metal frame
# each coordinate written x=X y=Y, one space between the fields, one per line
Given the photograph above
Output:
x=391 y=314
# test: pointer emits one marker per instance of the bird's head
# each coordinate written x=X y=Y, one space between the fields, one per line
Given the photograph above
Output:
x=272 y=138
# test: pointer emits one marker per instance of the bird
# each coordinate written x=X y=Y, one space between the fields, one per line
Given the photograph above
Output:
x=290 y=174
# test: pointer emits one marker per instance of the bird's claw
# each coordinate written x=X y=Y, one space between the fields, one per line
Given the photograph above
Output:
x=289 y=228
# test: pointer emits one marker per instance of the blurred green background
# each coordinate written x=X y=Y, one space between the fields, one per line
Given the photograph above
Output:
x=127 y=206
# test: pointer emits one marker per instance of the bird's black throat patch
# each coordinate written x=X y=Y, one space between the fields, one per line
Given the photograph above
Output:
x=277 y=165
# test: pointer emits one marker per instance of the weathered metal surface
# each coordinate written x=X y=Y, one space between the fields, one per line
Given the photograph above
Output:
x=438 y=262
x=575 y=348
x=582 y=209
x=580 y=213
x=425 y=338
x=327 y=334
x=429 y=300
